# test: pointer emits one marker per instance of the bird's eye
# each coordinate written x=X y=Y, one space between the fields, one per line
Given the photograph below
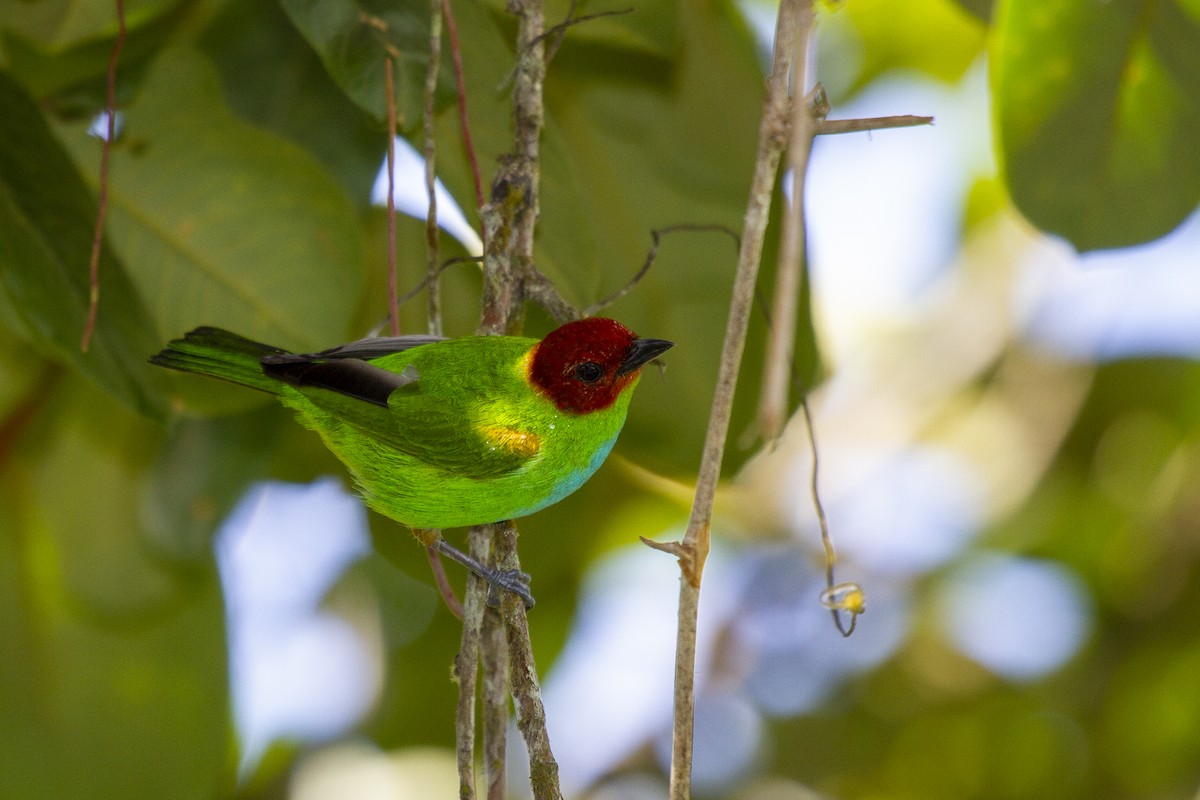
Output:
x=589 y=372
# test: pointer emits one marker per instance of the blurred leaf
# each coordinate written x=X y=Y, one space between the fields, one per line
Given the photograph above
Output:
x=224 y=224
x=59 y=25
x=114 y=676
x=201 y=471
x=273 y=79
x=47 y=219
x=352 y=37
x=1097 y=108
x=938 y=38
x=1150 y=722
x=74 y=71
x=980 y=9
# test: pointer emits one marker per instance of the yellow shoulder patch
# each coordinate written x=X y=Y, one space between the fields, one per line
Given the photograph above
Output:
x=519 y=443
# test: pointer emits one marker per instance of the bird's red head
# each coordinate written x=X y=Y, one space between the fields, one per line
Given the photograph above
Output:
x=584 y=365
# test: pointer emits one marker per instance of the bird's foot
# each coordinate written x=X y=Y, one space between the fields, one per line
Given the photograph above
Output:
x=509 y=580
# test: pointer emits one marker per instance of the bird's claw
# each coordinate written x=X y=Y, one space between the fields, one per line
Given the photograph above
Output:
x=510 y=580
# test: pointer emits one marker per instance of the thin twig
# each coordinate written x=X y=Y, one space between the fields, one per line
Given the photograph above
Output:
x=393 y=305
x=559 y=32
x=828 y=597
x=461 y=86
x=110 y=110
x=831 y=126
x=433 y=250
x=693 y=550
x=651 y=255
x=781 y=335
x=421 y=284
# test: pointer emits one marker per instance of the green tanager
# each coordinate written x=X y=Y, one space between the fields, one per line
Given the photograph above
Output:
x=441 y=433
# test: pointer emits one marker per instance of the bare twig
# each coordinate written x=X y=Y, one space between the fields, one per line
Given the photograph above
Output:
x=433 y=251
x=651 y=255
x=110 y=110
x=781 y=337
x=837 y=598
x=695 y=544
x=556 y=33
x=421 y=284
x=461 y=86
x=393 y=305
x=829 y=126
x=495 y=703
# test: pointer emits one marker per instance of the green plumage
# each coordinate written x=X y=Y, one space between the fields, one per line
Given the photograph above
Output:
x=437 y=434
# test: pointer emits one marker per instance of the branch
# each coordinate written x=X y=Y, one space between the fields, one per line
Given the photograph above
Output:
x=781 y=336
x=461 y=86
x=827 y=126
x=495 y=702
x=110 y=108
x=466 y=667
x=393 y=291
x=509 y=219
x=651 y=255
x=526 y=691
x=794 y=16
x=433 y=252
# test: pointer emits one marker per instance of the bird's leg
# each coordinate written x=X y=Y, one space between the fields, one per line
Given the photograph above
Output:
x=510 y=580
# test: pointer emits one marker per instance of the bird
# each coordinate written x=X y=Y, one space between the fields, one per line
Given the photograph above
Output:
x=444 y=433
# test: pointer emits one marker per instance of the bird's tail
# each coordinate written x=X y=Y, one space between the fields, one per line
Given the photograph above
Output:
x=220 y=354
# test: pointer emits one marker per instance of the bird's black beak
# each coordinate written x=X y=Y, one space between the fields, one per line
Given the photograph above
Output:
x=641 y=351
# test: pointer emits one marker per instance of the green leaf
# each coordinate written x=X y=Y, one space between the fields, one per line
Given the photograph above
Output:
x=1097 y=108
x=869 y=38
x=46 y=223
x=223 y=224
x=113 y=683
x=273 y=79
x=67 y=60
x=59 y=25
x=353 y=38
x=200 y=472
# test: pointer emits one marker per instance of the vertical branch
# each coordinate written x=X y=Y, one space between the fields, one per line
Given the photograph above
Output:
x=466 y=668
x=110 y=109
x=526 y=691
x=495 y=704
x=393 y=292
x=777 y=370
x=509 y=222
x=693 y=550
x=511 y=215
x=527 y=106
x=433 y=251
